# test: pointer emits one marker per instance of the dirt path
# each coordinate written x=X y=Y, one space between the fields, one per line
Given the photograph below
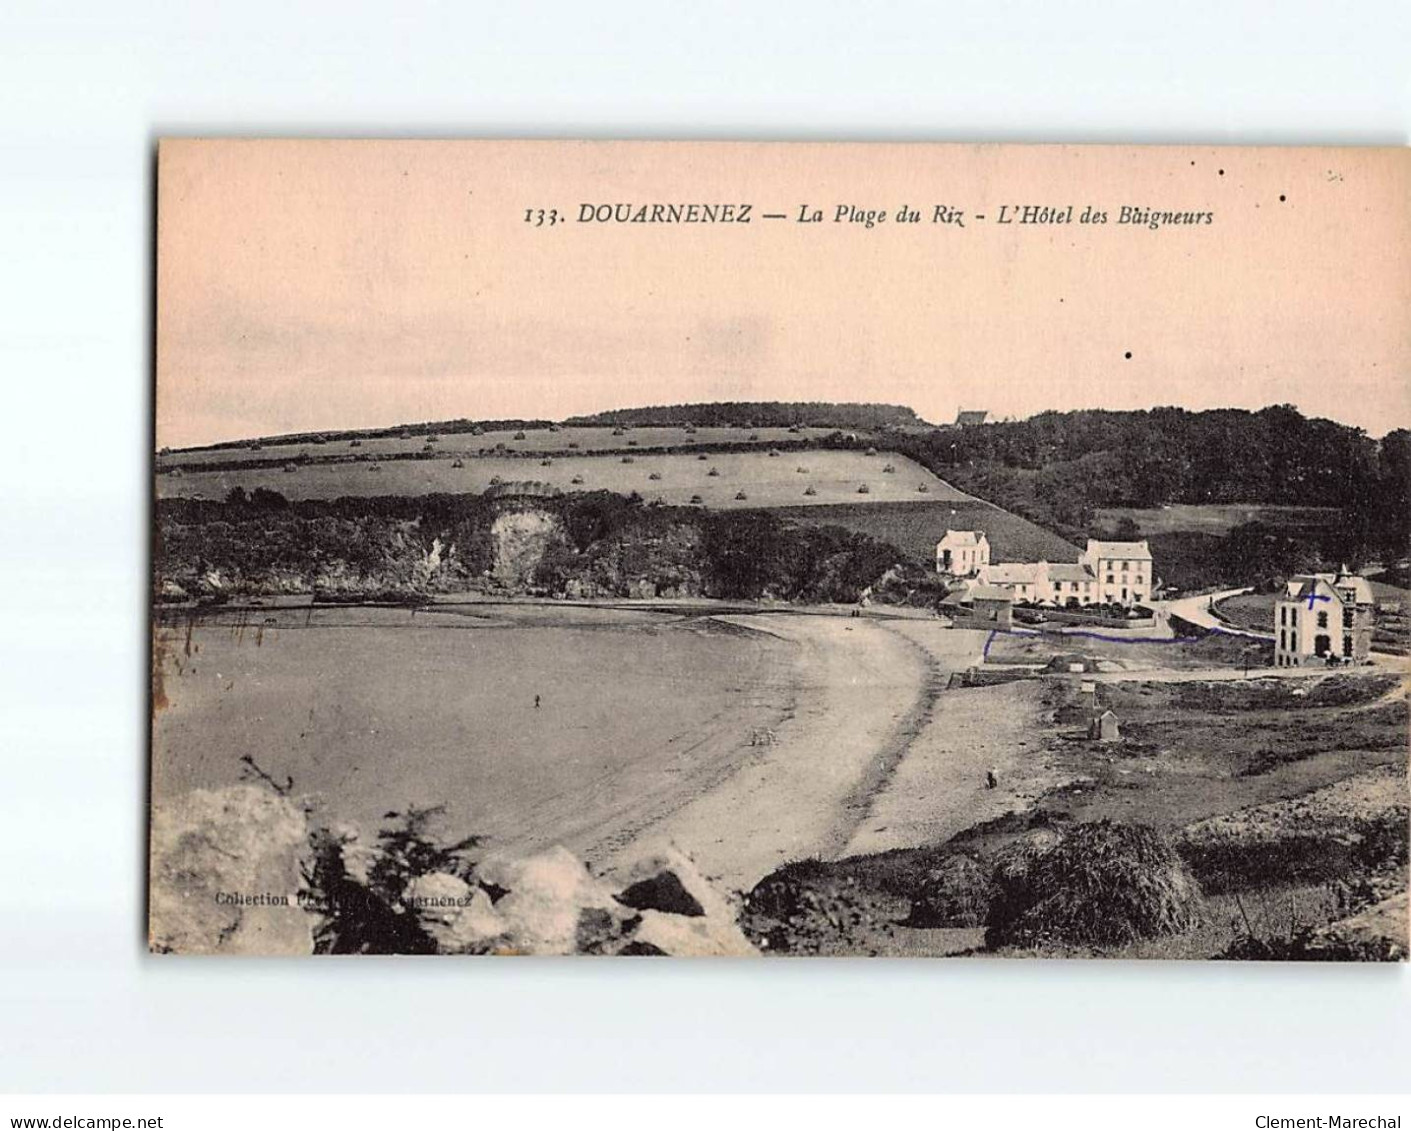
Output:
x=1197 y=610
x=860 y=692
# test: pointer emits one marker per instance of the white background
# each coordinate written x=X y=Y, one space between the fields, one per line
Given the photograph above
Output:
x=84 y=90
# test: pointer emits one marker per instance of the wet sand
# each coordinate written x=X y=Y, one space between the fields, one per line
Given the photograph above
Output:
x=371 y=710
x=857 y=687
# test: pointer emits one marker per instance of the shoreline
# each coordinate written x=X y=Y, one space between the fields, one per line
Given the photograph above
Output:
x=859 y=691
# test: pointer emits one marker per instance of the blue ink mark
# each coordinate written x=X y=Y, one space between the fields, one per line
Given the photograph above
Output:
x=1316 y=597
x=1125 y=639
x=990 y=639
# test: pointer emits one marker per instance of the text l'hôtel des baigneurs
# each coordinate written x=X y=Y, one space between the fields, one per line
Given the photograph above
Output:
x=1016 y=215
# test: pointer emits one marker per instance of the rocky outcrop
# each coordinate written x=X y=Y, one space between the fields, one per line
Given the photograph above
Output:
x=520 y=539
x=240 y=871
x=550 y=904
x=227 y=872
x=1379 y=931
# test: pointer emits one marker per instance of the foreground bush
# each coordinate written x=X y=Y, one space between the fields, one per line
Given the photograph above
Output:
x=1103 y=884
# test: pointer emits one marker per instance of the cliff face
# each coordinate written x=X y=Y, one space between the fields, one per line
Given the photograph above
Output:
x=520 y=539
x=590 y=545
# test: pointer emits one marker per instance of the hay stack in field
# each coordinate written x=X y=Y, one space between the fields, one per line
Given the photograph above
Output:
x=458 y=463
x=1103 y=884
x=810 y=490
x=703 y=456
x=922 y=488
x=712 y=473
x=864 y=490
x=289 y=467
x=519 y=435
x=654 y=475
x=740 y=496
x=577 y=480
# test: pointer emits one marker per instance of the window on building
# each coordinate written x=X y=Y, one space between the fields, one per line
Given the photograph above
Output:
x=1283 y=615
x=1110 y=579
x=1124 y=567
x=1322 y=620
x=1283 y=643
x=1347 y=618
x=1347 y=645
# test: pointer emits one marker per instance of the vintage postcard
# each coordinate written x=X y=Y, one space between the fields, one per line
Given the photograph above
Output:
x=643 y=548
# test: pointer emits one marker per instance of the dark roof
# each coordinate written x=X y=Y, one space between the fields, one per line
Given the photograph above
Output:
x=972 y=415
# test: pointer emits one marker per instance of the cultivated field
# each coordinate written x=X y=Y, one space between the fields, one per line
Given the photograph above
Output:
x=765 y=480
x=916 y=527
x=1216 y=519
x=533 y=440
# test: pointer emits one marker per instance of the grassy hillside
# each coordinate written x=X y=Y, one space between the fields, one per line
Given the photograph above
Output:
x=915 y=528
x=1215 y=518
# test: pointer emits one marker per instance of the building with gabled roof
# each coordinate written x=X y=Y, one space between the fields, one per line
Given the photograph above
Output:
x=968 y=417
x=1323 y=617
x=1123 y=571
x=1026 y=581
x=962 y=553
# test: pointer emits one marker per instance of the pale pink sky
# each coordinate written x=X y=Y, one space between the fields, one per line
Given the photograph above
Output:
x=320 y=284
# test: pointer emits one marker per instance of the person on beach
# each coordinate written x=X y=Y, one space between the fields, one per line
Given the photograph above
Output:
x=991 y=780
x=536 y=702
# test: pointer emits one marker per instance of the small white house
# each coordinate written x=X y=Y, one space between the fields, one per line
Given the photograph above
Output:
x=962 y=553
x=1027 y=581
